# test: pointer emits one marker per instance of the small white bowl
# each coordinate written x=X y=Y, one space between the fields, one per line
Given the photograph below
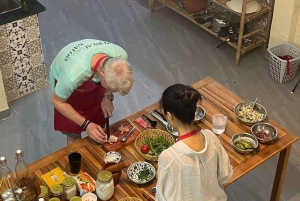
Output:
x=89 y=197
x=134 y=170
x=112 y=156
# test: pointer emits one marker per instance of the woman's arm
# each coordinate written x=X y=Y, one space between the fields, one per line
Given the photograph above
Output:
x=94 y=131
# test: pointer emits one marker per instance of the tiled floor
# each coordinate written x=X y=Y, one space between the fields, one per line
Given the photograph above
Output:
x=164 y=48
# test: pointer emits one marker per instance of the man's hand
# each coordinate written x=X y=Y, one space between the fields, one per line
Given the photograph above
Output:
x=96 y=133
x=107 y=107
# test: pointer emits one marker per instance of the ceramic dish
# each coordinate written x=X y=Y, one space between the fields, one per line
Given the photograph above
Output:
x=112 y=156
x=89 y=197
x=237 y=5
x=134 y=170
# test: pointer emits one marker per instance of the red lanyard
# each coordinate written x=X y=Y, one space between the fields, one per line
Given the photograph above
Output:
x=193 y=132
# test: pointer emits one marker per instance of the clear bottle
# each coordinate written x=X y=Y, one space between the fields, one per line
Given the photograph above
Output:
x=6 y=176
x=21 y=170
x=105 y=185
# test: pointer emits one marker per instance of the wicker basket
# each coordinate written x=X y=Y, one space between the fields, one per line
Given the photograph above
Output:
x=152 y=133
x=130 y=199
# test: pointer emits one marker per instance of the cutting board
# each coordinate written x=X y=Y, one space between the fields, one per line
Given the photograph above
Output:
x=116 y=129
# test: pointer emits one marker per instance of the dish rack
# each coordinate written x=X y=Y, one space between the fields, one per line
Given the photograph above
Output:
x=260 y=23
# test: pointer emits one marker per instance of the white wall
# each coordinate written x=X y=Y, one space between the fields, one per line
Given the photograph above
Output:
x=286 y=23
x=3 y=100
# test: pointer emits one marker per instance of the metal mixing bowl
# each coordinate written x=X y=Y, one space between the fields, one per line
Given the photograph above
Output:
x=199 y=114
x=268 y=129
x=247 y=137
x=258 y=107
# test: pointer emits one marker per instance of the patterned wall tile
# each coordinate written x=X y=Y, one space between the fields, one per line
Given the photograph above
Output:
x=37 y=59
x=5 y=58
x=3 y=44
x=30 y=21
x=21 y=57
x=38 y=73
x=3 y=30
x=15 y=26
x=34 y=47
x=40 y=83
x=10 y=83
x=11 y=95
x=7 y=71
x=33 y=33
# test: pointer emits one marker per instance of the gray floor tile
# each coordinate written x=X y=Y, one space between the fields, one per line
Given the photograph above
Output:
x=291 y=187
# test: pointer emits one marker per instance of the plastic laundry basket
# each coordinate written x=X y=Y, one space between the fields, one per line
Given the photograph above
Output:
x=280 y=70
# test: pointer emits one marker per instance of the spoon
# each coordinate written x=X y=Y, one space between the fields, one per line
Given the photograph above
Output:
x=123 y=139
x=153 y=123
x=254 y=104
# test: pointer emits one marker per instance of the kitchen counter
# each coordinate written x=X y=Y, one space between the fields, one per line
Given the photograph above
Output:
x=34 y=8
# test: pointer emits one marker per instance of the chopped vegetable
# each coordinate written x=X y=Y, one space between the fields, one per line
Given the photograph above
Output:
x=243 y=144
x=263 y=135
x=145 y=174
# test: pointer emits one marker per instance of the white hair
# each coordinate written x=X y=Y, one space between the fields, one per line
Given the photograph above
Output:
x=118 y=75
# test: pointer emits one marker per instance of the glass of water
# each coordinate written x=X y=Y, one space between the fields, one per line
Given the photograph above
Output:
x=219 y=122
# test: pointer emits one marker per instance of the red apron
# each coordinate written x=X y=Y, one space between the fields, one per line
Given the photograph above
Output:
x=86 y=100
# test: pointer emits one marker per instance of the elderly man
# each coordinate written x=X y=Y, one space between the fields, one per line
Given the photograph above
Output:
x=84 y=76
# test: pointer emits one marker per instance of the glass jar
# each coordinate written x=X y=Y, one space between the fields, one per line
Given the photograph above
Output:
x=105 y=185
x=69 y=187
x=75 y=198
x=54 y=199
x=58 y=192
x=44 y=193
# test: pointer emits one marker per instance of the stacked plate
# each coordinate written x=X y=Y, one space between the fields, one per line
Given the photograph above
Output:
x=237 y=5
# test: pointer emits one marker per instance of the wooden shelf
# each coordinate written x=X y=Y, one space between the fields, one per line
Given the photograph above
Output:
x=240 y=46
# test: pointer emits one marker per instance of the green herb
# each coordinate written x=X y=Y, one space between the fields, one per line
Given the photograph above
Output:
x=156 y=144
x=145 y=174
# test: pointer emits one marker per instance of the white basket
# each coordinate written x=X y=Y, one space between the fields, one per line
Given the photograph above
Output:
x=278 y=67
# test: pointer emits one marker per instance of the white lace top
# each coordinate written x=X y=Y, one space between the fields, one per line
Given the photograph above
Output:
x=184 y=174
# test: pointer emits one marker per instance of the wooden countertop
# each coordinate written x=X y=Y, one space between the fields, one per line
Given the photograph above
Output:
x=216 y=99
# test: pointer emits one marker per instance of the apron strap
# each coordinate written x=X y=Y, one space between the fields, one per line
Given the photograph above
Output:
x=98 y=62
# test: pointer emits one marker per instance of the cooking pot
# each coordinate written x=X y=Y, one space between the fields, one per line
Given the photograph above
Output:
x=220 y=20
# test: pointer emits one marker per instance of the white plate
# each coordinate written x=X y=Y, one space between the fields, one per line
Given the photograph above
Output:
x=112 y=156
x=236 y=5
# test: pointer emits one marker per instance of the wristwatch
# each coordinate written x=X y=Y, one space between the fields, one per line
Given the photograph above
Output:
x=110 y=97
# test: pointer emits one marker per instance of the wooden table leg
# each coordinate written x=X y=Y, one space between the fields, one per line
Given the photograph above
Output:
x=151 y=7
x=280 y=173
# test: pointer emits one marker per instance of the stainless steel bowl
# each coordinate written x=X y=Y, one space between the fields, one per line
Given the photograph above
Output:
x=246 y=137
x=270 y=131
x=199 y=114
x=258 y=107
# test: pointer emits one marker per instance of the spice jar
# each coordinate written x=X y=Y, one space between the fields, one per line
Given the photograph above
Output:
x=105 y=185
x=54 y=199
x=44 y=193
x=57 y=191
x=69 y=187
x=75 y=198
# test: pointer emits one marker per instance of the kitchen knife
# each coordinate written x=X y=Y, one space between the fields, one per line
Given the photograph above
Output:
x=107 y=128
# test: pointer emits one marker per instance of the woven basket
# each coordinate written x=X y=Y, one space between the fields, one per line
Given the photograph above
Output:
x=152 y=133
x=130 y=199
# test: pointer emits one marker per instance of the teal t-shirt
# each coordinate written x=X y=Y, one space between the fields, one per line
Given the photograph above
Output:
x=71 y=66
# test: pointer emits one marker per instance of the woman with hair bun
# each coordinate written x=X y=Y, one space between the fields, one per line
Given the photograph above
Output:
x=197 y=165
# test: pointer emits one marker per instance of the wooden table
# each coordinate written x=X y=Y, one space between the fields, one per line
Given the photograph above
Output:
x=217 y=99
